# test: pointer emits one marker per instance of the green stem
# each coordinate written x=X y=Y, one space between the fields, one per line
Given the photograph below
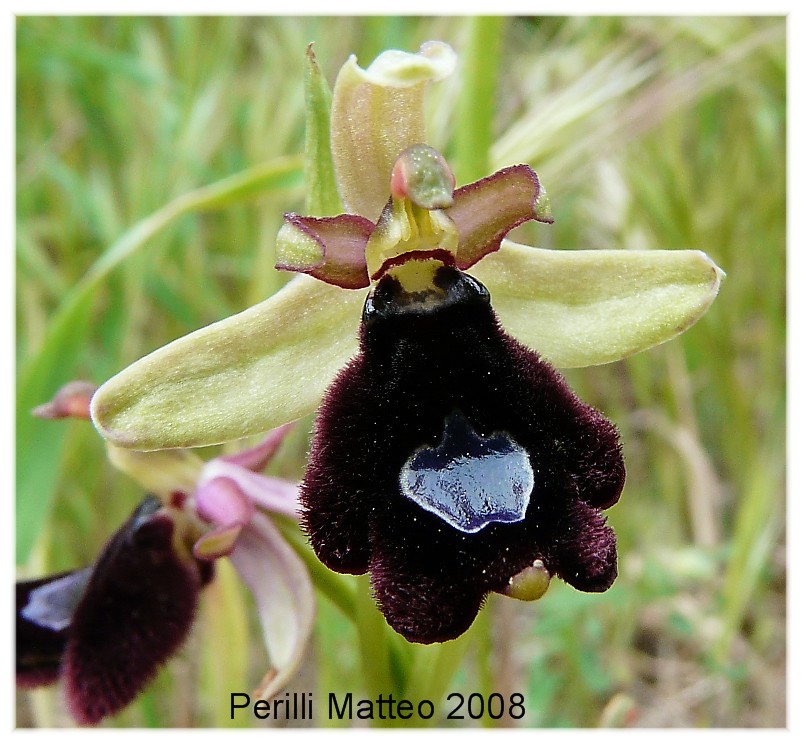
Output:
x=433 y=669
x=758 y=523
x=373 y=647
x=385 y=656
x=335 y=587
x=484 y=656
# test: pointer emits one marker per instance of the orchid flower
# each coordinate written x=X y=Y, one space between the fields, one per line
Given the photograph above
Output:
x=105 y=629
x=449 y=459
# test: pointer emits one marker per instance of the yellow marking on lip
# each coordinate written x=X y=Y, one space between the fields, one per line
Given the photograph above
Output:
x=416 y=276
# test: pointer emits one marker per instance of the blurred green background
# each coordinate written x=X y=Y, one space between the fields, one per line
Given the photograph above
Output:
x=647 y=132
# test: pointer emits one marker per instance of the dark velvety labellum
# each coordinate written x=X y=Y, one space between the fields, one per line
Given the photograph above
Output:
x=470 y=481
x=137 y=609
x=425 y=453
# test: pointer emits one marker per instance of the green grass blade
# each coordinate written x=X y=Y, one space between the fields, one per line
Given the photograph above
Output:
x=55 y=362
x=474 y=133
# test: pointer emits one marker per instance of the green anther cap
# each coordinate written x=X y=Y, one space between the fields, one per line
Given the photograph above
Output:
x=422 y=175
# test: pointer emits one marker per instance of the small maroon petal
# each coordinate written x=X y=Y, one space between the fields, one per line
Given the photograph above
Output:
x=71 y=401
x=342 y=240
x=137 y=610
x=39 y=648
x=486 y=210
x=586 y=557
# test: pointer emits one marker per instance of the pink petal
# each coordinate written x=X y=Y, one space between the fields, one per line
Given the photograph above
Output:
x=220 y=501
x=284 y=598
x=485 y=211
x=270 y=493
x=257 y=457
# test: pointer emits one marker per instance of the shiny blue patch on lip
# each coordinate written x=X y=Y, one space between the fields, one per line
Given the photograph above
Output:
x=470 y=481
x=52 y=604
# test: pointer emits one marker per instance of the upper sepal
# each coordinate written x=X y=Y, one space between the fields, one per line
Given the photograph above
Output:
x=375 y=114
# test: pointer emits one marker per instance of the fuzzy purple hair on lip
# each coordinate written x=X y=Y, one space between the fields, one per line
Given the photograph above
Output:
x=137 y=610
x=413 y=371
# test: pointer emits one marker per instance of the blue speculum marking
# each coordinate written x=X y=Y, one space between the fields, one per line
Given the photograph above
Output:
x=52 y=605
x=470 y=481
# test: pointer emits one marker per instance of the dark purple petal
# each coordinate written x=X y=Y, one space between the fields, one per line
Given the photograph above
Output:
x=423 y=361
x=584 y=443
x=340 y=255
x=136 y=611
x=599 y=468
x=486 y=210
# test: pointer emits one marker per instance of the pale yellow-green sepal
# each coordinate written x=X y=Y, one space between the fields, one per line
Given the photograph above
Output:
x=587 y=307
x=375 y=114
x=159 y=472
x=248 y=373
